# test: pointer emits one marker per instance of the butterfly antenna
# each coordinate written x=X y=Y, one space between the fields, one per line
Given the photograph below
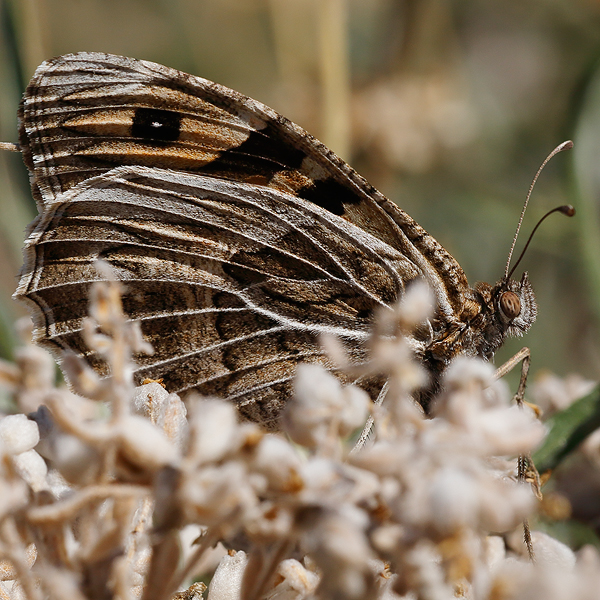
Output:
x=564 y=146
x=566 y=209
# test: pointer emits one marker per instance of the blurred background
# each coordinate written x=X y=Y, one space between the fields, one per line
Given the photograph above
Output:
x=447 y=106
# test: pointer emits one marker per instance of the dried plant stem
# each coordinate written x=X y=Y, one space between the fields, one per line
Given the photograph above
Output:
x=13 y=548
x=335 y=74
x=207 y=541
x=65 y=509
x=69 y=422
x=262 y=563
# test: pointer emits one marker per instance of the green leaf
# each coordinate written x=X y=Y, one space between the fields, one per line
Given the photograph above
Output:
x=568 y=429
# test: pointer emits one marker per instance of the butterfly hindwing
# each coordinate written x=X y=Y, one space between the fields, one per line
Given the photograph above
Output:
x=229 y=305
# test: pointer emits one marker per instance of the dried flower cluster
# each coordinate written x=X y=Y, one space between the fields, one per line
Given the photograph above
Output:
x=124 y=492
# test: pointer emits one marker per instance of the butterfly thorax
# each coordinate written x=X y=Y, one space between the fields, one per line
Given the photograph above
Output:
x=489 y=315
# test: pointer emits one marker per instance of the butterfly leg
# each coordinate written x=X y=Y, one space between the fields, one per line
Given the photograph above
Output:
x=526 y=470
x=523 y=356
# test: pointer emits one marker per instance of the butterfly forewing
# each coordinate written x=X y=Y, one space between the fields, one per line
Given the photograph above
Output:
x=86 y=113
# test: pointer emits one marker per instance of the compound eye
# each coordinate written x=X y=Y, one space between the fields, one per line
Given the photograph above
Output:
x=510 y=305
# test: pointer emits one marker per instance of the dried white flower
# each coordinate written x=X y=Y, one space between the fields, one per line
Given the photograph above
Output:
x=163 y=409
x=417 y=304
x=280 y=463
x=144 y=444
x=318 y=399
x=18 y=434
x=226 y=583
x=494 y=549
x=32 y=468
x=503 y=504
x=468 y=373
x=214 y=430
x=298 y=582
x=510 y=430
x=553 y=393
x=149 y=398
x=353 y=412
x=337 y=541
x=220 y=495
x=453 y=500
x=551 y=553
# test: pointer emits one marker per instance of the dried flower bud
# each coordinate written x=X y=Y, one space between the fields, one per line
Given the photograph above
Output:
x=503 y=504
x=146 y=445
x=468 y=373
x=417 y=304
x=76 y=461
x=553 y=393
x=336 y=540
x=163 y=409
x=318 y=400
x=213 y=430
x=298 y=582
x=18 y=434
x=279 y=462
x=222 y=494
x=353 y=412
x=148 y=398
x=226 y=583
x=509 y=431
x=32 y=468
x=549 y=552
x=453 y=500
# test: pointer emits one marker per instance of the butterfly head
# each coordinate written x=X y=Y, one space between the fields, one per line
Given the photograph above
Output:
x=514 y=303
x=509 y=307
x=511 y=310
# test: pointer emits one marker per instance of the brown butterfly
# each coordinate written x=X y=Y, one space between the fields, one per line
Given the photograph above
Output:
x=240 y=238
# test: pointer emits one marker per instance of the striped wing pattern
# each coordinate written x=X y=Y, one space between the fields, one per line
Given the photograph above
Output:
x=240 y=237
x=229 y=305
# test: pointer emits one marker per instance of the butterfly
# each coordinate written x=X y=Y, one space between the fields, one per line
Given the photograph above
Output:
x=240 y=238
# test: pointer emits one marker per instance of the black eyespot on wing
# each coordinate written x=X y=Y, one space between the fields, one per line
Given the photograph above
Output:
x=330 y=195
x=156 y=124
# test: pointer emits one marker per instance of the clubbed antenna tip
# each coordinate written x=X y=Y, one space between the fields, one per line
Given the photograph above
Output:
x=566 y=145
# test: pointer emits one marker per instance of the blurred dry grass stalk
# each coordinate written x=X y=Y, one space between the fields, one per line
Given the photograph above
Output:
x=125 y=492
